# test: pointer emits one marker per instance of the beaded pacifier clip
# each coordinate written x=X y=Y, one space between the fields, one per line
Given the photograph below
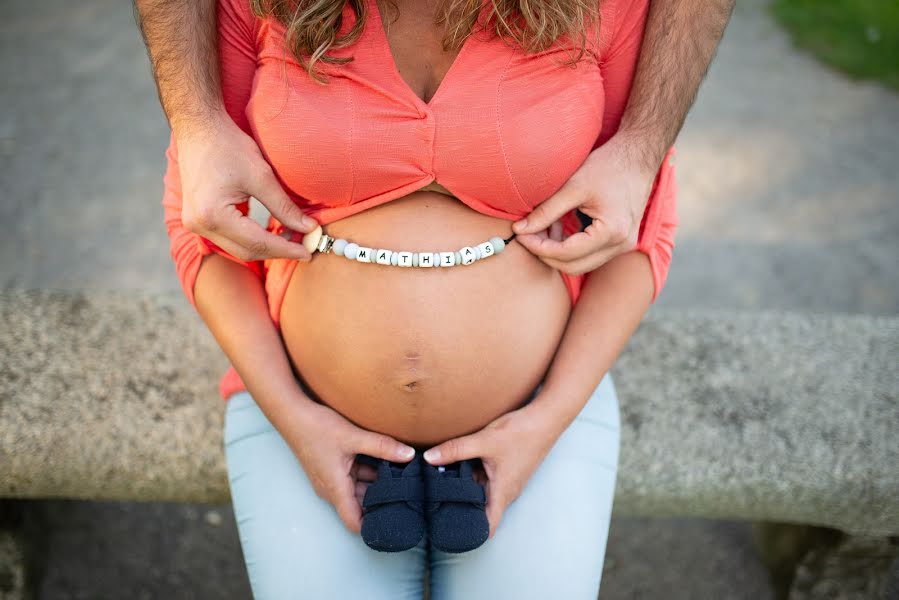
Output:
x=318 y=240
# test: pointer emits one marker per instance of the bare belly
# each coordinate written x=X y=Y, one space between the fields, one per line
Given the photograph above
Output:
x=423 y=355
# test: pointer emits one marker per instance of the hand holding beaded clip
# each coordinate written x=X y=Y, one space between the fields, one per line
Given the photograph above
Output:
x=317 y=240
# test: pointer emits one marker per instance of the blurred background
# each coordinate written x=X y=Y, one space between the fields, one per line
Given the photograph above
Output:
x=788 y=169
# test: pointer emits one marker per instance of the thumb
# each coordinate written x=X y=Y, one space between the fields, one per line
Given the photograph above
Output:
x=347 y=506
x=384 y=446
x=454 y=450
x=550 y=210
x=269 y=192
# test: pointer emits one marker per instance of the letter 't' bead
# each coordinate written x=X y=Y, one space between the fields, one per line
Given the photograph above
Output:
x=404 y=259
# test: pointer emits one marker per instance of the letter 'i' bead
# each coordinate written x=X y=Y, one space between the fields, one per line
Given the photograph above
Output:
x=447 y=259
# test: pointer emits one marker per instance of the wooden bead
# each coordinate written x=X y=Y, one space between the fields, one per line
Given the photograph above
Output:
x=311 y=239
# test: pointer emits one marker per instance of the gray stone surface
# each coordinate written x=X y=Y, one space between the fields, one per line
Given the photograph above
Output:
x=725 y=414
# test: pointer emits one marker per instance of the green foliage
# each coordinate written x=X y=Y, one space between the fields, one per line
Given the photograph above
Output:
x=859 y=37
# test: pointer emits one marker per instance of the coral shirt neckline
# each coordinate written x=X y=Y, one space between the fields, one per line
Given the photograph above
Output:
x=447 y=80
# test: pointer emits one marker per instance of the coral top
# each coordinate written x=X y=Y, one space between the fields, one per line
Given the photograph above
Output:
x=503 y=132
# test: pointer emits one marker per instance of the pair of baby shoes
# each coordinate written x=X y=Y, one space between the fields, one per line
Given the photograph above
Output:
x=408 y=499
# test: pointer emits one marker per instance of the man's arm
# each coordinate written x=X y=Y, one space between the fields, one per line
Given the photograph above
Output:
x=182 y=44
x=678 y=45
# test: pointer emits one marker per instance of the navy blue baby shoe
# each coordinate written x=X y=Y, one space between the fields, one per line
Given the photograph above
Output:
x=455 y=507
x=393 y=505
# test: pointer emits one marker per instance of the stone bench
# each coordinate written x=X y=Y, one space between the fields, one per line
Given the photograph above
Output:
x=762 y=416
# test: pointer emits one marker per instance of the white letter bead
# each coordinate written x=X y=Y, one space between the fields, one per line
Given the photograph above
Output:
x=363 y=254
x=404 y=259
x=383 y=257
x=350 y=250
x=447 y=259
x=425 y=259
x=486 y=249
x=468 y=255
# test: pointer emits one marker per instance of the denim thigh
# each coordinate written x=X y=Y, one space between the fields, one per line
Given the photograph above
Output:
x=294 y=543
x=551 y=541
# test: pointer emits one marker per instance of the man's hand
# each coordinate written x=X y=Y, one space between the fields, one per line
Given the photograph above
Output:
x=220 y=167
x=612 y=189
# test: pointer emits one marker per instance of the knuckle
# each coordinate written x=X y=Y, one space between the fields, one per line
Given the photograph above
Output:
x=257 y=248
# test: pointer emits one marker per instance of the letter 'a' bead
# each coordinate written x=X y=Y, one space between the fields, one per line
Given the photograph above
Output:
x=425 y=259
x=383 y=257
x=447 y=259
x=499 y=244
x=468 y=255
x=486 y=249
x=404 y=259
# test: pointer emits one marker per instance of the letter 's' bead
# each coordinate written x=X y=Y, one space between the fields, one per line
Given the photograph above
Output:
x=339 y=245
x=383 y=257
x=485 y=249
x=447 y=259
x=499 y=244
x=393 y=258
x=350 y=251
x=468 y=255
x=458 y=257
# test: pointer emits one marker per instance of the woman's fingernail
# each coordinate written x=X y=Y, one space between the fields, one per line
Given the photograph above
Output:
x=309 y=223
x=518 y=226
x=432 y=455
x=408 y=452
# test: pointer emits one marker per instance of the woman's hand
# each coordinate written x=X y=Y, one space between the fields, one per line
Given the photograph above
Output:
x=511 y=448
x=220 y=167
x=326 y=443
x=612 y=188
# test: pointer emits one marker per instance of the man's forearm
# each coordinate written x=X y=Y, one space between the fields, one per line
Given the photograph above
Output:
x=182 y=43
x=678 y=45
x=608 y=311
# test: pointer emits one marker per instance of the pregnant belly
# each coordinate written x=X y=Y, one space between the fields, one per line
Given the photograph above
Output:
x=423 y=355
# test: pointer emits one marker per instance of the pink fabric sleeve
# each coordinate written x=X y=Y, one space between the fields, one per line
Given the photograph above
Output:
x=237 y=56
x=621 y=38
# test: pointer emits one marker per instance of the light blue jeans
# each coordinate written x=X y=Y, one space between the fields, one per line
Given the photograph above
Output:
x=550 y=543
